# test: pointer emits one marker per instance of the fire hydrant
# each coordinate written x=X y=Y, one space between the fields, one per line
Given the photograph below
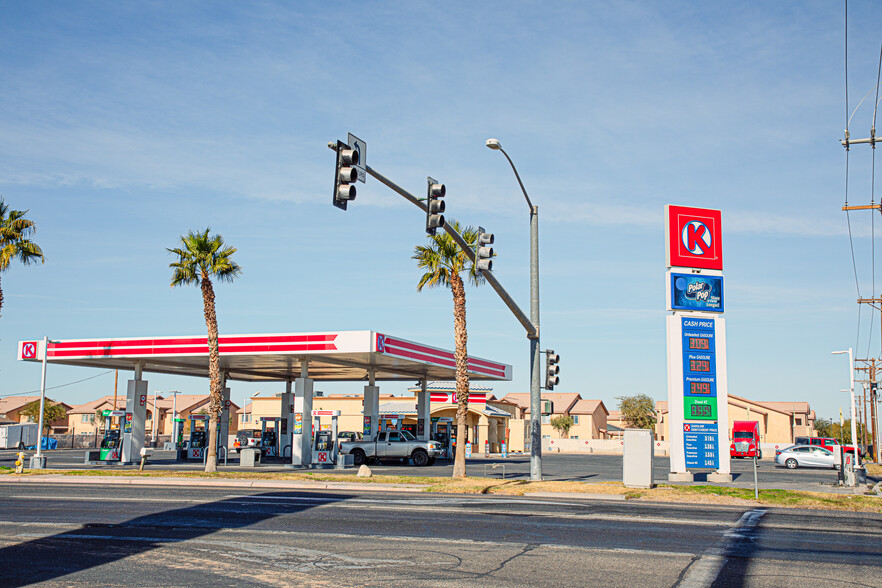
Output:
x=19 y=463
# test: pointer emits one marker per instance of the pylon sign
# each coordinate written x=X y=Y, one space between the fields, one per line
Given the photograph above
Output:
x=693 y=237
x=698 y=400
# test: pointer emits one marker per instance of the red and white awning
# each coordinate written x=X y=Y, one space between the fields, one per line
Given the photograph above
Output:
x=331 y=356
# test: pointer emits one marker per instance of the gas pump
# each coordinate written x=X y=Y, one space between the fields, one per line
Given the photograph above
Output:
x=111 y=445
x=442 y=432
x=179 y=434
x=198 y=437
x=269 y=440
x=324 y=449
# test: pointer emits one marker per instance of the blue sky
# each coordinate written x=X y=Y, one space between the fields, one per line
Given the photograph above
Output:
x=125 y=125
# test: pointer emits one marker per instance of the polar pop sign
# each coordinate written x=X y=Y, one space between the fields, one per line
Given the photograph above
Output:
x=693 y=237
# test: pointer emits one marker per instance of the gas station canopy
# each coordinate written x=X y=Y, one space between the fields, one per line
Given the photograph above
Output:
x=331 y=356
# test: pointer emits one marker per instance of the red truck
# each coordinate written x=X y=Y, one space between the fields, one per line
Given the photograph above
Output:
x=827 y=443
x=745 y=440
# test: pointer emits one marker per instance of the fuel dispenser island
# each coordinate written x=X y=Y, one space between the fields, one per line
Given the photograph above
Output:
x=195 y=449
x=111 y=444
x=324 y=449
x=269 y=438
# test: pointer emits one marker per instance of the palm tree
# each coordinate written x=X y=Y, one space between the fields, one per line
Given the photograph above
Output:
x=200 y=257
x=14 y=242
x=444 y=263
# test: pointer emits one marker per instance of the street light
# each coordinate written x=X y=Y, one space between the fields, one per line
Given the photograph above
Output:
x=857 y=451
x=535 y=398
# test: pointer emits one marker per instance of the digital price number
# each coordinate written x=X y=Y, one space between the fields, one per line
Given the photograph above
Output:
x=700 y=388
x=699 y=365
x=699 y=343
x=700 y=410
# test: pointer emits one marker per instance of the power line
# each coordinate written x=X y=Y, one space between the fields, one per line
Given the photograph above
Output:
x=61 y=385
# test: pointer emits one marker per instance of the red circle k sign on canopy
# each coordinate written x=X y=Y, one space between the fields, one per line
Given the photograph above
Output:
x=693 y=237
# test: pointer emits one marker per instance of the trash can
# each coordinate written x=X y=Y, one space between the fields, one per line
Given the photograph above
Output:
x=637 y=455
x=249 y=457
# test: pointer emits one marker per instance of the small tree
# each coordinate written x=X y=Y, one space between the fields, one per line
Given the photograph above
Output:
x=562 y=424
x=824 y=427
x=100 y=419
x=638 y=411
x=52 y=411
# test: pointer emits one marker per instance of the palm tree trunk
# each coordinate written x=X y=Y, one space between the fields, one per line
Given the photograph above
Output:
x=462 y=372
x=214 y=374
x=1 y=301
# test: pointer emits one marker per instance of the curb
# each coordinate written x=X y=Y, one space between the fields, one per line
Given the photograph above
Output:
x=293 y=485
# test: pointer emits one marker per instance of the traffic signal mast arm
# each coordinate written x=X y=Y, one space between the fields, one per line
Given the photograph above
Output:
x=532 y=331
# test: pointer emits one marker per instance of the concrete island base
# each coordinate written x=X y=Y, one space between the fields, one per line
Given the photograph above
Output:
x=718 y=477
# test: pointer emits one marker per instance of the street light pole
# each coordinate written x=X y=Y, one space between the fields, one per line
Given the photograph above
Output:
x=854 y=442
x=535 y=393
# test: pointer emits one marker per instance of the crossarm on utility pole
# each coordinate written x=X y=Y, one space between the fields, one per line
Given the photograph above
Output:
x=532 y=332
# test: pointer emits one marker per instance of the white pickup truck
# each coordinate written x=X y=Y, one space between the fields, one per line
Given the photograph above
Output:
x=392 y=444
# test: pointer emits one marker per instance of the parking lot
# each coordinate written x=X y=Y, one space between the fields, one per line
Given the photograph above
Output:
x=592 y=468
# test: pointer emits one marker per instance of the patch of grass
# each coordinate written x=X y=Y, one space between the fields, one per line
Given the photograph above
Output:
x=874 y=469
x=6 y=470
x=783 y=498
x=662 y=493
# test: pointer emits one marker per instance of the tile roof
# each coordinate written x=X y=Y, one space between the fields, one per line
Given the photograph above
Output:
x=11 y=403
x=585 y=406
x=563 y=401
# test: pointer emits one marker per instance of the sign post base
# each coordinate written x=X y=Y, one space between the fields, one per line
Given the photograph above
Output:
x=681 y=477
x=718 y=477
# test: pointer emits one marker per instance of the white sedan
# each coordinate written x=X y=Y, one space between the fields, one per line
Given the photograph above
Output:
x=807 y=456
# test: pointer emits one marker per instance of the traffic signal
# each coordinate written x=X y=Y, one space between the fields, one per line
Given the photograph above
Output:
x=345 y=175
x=484 y=253
x=434 y=206
x=551 y=369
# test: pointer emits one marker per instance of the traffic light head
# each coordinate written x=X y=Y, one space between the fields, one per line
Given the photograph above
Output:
x=344 y=175
x=483 y=251
x=551 y=369
x=434 y=206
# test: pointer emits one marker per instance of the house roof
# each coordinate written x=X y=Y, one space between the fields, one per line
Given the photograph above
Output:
x=185 y=402
x=563 y=401
x=94 y=405
x=585 y=406
x=11 y=403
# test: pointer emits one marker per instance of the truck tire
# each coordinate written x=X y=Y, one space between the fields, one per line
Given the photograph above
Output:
x=420 y=457
x=759 y=454
x=358 y=457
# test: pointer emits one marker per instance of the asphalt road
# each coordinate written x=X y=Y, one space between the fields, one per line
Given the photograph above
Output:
x=54 y=535
x=586 y=468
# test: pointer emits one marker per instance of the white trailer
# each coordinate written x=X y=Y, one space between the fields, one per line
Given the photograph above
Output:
x=18 y=436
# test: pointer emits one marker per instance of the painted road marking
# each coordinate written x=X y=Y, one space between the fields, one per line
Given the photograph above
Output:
x=704 y=570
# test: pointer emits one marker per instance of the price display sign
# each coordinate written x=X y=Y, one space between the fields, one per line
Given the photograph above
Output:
x=699 y=369
x=700 y=443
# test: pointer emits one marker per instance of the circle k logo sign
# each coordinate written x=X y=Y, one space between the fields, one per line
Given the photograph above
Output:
x=29 y=350
x=696 y=238
x=693 y=237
